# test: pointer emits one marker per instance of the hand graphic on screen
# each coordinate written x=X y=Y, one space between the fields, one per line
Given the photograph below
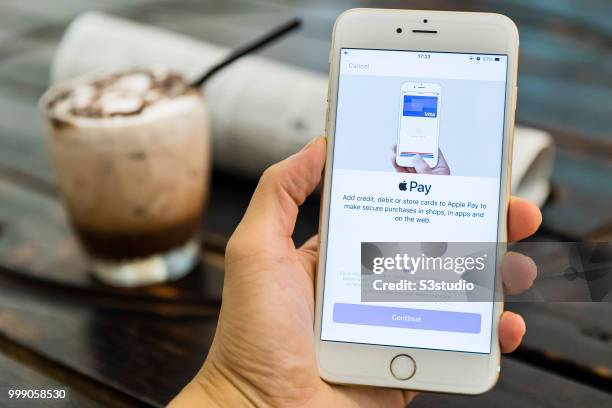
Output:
x=421 y=167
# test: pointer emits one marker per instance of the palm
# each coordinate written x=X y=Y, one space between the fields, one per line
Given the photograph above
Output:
x=275 y=317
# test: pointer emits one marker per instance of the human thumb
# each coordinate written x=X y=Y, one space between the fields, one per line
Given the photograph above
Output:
x=282 y=188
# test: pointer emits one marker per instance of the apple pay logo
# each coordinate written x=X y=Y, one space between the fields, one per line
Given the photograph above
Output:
x=414 y=186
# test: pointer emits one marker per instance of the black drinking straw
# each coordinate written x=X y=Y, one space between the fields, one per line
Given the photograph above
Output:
x=267 y=39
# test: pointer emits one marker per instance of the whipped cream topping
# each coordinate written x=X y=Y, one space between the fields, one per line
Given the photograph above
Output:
x=122 y=94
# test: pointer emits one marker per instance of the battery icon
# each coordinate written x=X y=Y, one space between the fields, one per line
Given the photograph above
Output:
x=496 y=58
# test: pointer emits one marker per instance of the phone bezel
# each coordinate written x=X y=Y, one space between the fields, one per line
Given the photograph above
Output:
x=442 y=371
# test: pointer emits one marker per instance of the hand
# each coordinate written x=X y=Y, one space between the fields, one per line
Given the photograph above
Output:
x=263 y=352
x=421 y=167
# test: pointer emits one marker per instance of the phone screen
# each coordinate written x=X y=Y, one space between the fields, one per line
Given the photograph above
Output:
x=399 y=258
x=418 y=127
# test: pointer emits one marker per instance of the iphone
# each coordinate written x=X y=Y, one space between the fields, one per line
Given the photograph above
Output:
x=407 y=289
x=418 y=123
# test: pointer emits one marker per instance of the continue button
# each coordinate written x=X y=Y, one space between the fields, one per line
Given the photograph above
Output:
x=458 y=322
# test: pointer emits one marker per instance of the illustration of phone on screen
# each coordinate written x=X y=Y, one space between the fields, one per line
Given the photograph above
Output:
x=419 y=123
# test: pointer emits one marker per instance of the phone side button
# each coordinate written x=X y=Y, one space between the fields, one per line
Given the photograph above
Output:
x=402 y=367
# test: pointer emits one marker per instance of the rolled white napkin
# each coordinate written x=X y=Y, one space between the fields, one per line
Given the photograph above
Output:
x=261 y=110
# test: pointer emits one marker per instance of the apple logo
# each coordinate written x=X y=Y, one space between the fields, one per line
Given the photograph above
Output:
x=402 y=185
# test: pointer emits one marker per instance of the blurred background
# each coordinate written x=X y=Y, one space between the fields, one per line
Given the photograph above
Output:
x=61 y=328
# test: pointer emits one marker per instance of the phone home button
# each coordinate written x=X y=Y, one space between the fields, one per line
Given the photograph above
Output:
x=402 y=367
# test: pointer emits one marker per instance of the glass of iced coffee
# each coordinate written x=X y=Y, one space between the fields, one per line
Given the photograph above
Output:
x=131 y=157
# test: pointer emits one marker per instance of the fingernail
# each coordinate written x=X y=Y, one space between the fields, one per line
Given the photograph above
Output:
x=309 y=145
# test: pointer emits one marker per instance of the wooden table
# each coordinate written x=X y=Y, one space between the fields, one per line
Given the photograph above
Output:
x=59 y=328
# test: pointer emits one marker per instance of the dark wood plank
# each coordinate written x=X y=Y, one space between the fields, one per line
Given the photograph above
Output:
x=573 y=339
x=133 y=352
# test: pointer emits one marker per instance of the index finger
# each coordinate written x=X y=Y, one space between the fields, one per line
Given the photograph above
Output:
x=524 y=218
